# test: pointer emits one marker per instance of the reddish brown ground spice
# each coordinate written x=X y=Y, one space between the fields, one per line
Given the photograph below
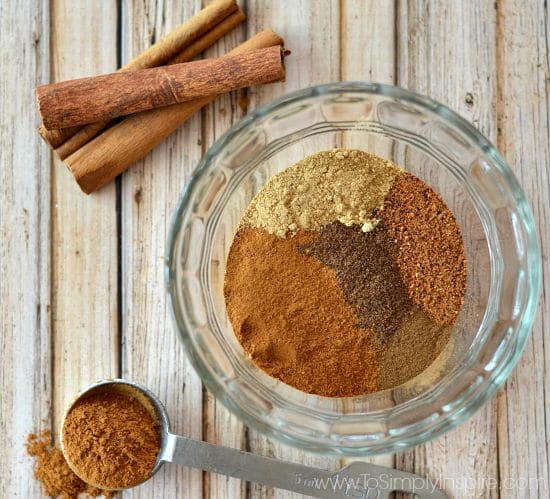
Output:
x=58 y=480
x=111 y=440
x=288 y=312
x=430 y=252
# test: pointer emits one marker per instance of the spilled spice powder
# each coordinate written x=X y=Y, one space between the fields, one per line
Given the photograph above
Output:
x=431 y=254
x=58 y=480
x=288 y=312
x=368 y=274
x=111 y=440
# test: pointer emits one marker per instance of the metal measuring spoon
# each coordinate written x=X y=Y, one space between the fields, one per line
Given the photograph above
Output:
x=358 y=479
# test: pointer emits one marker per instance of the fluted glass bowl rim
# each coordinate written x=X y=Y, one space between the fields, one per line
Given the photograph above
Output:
x=499 y=374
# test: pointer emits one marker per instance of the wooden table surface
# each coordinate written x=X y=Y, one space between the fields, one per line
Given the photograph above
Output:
x=82 y=287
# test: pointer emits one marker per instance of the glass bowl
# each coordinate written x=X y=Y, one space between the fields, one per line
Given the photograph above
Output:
x=430 y=141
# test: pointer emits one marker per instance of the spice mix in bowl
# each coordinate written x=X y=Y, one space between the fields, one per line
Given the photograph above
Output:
x=345 y=276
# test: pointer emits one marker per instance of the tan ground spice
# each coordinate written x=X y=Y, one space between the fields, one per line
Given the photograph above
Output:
x=58 y=480
x=289 y=314
x=431 y=254
x=111 y=440
x=343 y=184
x=410 y=350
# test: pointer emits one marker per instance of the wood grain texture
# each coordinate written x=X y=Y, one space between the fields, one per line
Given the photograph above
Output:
x=84 y=229
x=151 y=351
x=312 y=34
x=220 y=426
x=367 y=47
x=25 y=342
x=523 y=138
x=446 y=51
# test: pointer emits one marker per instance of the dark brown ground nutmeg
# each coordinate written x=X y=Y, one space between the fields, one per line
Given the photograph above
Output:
x=111 y=440
x=431 y=254
x=368 y=274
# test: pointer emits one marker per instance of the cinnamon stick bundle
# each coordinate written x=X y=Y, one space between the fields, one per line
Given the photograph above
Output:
x=109 y=154
x=101 y=98
x=181 y=45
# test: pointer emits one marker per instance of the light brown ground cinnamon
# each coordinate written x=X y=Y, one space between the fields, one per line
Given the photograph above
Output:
x=288 y=312
x=111 y=440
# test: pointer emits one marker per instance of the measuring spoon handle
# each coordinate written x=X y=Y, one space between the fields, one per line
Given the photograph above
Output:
x=360 y=480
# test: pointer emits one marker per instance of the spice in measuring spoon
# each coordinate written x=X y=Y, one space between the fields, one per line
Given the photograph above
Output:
x=111 y=440
x=114 y=408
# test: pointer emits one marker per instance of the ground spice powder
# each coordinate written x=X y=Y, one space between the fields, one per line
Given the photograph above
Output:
x=366 y=269
x=347 y=185
x=288 y=312
x=410 y=350
x=431 y=254
x=111 y=440
x=58 y=480
x=345 y=275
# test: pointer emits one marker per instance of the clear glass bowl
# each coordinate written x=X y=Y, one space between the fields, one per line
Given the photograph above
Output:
x=431 y=142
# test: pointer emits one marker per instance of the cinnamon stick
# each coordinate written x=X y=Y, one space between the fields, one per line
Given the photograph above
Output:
x=54 y=138
x=99 y=98
x=109 y=154
x=188 y=40
x=75 y=140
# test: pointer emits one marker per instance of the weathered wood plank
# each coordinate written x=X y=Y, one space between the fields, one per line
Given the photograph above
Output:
x=84 y=231
x=25 y=341
x=523 y=137
x=220 y=426
x=446 y=50
x=152 y=352
x=367 y=49
x=312 y=33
